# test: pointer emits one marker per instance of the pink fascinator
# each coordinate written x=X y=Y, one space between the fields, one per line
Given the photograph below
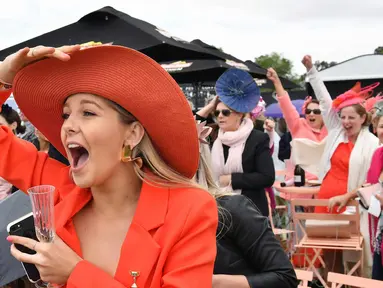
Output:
x=203 y=131
x=259 y=109
x=306 y=103
x=356 y=95
x=370 y=102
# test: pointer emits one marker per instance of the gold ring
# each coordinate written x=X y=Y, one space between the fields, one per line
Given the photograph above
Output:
x=33 y=52
x=34 y=246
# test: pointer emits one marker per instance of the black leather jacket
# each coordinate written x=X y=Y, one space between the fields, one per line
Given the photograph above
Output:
x=247 y=246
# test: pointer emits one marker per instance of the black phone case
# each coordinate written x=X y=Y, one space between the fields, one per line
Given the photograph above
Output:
x=26 y=228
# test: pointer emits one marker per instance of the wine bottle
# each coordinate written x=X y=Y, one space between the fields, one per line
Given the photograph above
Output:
x=288 y=183
x=299 y=176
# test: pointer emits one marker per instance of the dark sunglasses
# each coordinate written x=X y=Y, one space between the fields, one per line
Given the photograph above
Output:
x=315 y=111
x=225 y=112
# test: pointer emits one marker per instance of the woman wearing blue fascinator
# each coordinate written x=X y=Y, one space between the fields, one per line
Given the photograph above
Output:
x=248 y=254
x=241 y=157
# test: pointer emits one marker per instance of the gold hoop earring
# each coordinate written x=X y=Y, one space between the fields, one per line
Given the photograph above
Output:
x=126 y=156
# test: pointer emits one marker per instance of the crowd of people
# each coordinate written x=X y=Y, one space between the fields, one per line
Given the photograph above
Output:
x=148 y=194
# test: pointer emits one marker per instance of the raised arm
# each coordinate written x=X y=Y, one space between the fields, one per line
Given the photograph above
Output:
x=20 y=163
x=209 y=108
x=330 y=117
x=289 y=111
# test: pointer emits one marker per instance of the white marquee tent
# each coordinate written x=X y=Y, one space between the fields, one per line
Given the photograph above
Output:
x=341 y=77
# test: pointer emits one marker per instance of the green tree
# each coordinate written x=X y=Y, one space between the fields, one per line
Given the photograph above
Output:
x=282 y=65
x=378 y=50
x=320 y=65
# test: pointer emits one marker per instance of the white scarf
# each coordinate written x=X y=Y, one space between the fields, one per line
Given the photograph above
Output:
x=236 y=140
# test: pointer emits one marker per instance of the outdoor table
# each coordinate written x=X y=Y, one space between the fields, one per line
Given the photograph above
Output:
x=301 y=192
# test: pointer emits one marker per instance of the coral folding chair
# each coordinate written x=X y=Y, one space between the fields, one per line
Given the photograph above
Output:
x=338 y=280
x=322 y=231
x=279 y=233
x=304 y=277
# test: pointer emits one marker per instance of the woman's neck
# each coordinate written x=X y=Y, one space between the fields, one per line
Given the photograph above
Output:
x=353 y=138
x=119 y=194
x=44 y=145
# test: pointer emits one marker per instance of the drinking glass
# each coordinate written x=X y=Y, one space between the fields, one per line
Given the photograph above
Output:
x=43 y=214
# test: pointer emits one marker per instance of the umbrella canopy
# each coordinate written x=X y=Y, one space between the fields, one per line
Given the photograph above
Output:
x=274 y=110
x=231 y=60
x=110 y=25
x=202 y=71
x=254 y=69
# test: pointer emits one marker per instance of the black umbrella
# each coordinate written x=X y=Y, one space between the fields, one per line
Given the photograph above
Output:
x=110 y=25
x=203 y=71
x=261 y=80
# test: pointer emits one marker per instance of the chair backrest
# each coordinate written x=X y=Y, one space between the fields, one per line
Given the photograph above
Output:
x=304 y=277
x=352 y=281
x=270 y=211
x=306 y=203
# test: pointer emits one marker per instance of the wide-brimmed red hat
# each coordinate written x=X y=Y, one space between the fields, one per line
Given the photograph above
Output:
x=124 y=76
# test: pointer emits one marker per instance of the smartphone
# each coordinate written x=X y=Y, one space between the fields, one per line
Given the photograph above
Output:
x=25 y=227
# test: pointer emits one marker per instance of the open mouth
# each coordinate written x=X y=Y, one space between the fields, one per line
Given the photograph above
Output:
x=79 y=155
x=312 y=120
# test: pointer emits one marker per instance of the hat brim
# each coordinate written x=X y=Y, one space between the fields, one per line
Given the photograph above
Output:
x=124 y=76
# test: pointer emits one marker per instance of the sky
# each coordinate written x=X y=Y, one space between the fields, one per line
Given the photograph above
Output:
x=329 y=30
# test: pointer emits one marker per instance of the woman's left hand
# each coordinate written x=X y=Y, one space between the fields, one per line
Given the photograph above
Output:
x=380 y=198
x=55 y=261
x=269 y=125
x=229 y=281
x=225 y=180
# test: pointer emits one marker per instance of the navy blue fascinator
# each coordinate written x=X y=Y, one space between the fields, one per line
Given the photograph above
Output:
x=238 y=90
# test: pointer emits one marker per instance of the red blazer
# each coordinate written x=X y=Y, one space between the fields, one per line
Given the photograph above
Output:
x=171 y=241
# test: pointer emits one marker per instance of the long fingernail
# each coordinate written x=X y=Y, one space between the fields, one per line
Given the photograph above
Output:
x=9 y=239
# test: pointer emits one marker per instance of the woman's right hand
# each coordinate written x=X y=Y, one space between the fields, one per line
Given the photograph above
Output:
x=272 y=75
x=16 y=61
x=307 y=61
x=340 y=201
x=213 y=103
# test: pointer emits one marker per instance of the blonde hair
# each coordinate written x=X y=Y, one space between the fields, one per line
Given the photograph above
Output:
x=163 y=175
x=205 y=179
x=205 y=174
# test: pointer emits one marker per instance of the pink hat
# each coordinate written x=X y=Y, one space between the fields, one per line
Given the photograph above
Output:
x=261 y=107
x=306 y=103
x=370 y=102
x=356 y=95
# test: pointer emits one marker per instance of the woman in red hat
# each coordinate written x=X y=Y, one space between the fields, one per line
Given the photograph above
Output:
x=127 y=212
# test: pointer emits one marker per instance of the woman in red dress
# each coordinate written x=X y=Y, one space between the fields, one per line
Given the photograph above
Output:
x=349 y=147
